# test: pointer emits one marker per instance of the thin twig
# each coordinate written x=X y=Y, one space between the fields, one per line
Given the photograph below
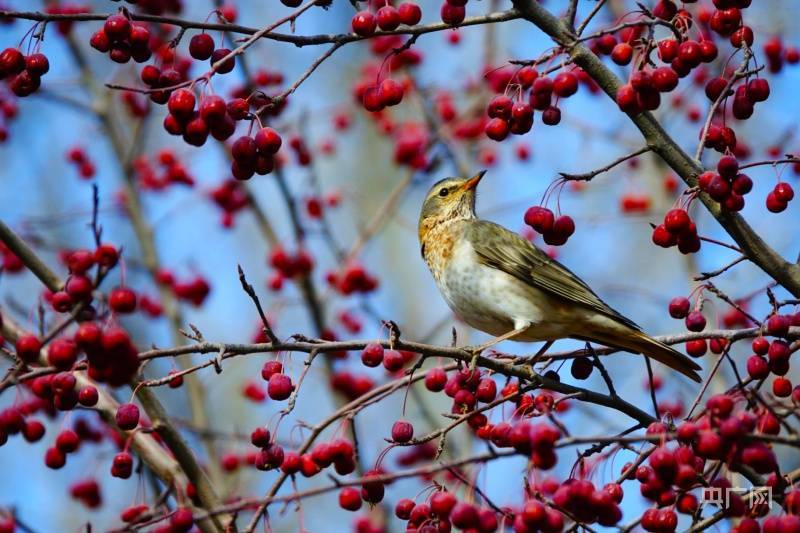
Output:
x=253 y=296
x=587 y=176
x=703 y=276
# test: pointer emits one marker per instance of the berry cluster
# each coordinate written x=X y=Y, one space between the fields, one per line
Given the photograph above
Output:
x=255 y=155
x=78 y=156
x=279 y=385
x=555 y=230
x=678 y=229
x=24 y=73
x=231 y=198
x=122 y=40
x=194 y=290
x=290 y=266
x=354 y=278
x=387 y=18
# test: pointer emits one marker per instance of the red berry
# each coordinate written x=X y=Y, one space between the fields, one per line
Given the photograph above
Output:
x=227 y=65
x=760 y=345
x=565 y=84
x=665 y=79
x=28 y=347
x=696 y=348
x=88 y=335
x=402 y=431
x=668 y=50
x=689 y=53
x=364 y=23
x=67 y=441
x=238 y=108
x=350 y=499
x=393 y=360
x=758 y=89
x=778 y=325
x=390 y=92
x=622 y=54
x=742 y=184
x=500 y=107
x=708 y=51
x=497 y=129
x=403 y=508
x=435 y=379
x=784 y=192
x=695 y=321
x=268 y=141
x=181 y=103
x=442 y=503
x=260 y=437
x=106 y=255
x=181 y=520
x=679 y=307
x=54 y=458
x=779 y=351
x=122 y=465
x=117 y=28
x=122 y=300
x=372 y=355
x=677 y=221
x=270 y=368
x=79 y=287
x=201 y=46
x=452 y=14
x=782 y=387
x=742 y=37
x=464 y=515
x=728 y=167
x=280 y=387
x=62 y=353
x=388 y=18
x=719 y=189
x=88 y=396
x=775 y=204
x=127 y=416
x=662 y=237
x=37 y=64
x=372 y=99
x=11 y=62
x=213 y=109
x=372 y=491
x=551 y=116
x=410 y=13
x=627 y=100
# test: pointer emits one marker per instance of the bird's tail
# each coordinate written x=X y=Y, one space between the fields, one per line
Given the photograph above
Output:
x=636 y=341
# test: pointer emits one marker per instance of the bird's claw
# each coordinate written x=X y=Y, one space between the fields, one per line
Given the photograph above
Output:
x=474 y=351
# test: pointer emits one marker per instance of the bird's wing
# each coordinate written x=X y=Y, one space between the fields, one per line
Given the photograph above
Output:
x=504 y=250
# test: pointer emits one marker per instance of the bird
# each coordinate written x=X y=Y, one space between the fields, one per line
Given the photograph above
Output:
x=500 y=283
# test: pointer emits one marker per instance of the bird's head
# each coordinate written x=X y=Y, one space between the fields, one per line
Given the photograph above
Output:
x=450 y=199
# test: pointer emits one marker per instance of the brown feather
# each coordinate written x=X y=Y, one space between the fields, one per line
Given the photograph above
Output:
x=636 y=341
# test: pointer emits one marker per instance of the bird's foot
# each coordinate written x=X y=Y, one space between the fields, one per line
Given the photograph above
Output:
x=474 y=350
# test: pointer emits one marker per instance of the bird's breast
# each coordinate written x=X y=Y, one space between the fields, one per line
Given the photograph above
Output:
x=486 y=298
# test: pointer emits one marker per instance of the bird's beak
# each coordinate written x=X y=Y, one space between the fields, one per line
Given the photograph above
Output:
x=471 y=183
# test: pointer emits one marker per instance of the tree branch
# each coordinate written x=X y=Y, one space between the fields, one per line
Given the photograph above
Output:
x=758 y=251
x=29 y=258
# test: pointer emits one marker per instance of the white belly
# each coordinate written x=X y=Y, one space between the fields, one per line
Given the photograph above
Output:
x=495 y=302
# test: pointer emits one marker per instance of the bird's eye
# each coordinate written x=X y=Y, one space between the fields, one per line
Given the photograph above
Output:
x=443 y=192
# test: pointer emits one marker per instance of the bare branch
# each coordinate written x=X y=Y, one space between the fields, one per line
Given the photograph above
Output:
x=253 y=296
x=29 y=258
x=758 y=251
x=587 y=176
